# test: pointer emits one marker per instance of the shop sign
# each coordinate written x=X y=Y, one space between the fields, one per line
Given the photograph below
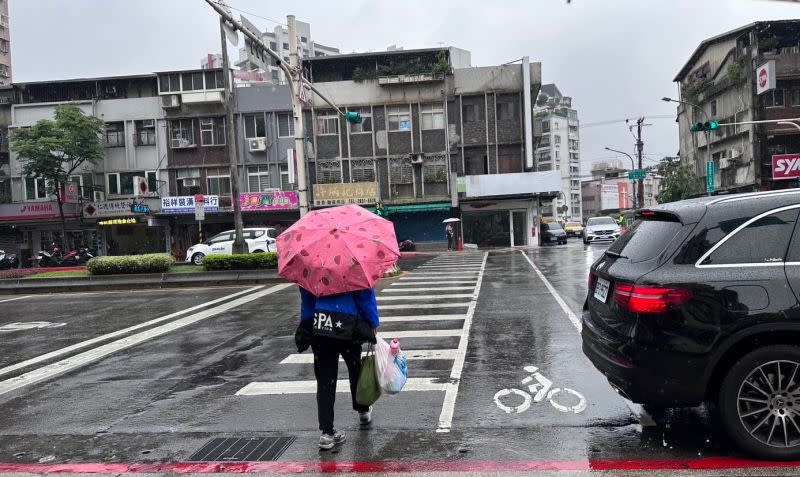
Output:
x=278 y=200
x=114 y=208
x=341 y=194
x=765 y=77
x=35 y=210
x=185 y=204
x=128 y=221
x=785 y=166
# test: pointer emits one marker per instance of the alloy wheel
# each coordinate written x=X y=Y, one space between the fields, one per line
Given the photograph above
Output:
x=768 y=403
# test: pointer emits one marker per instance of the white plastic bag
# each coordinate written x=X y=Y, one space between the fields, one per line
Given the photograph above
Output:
x=391 y=370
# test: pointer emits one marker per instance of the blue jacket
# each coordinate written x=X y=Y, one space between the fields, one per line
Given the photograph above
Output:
x=361 y=304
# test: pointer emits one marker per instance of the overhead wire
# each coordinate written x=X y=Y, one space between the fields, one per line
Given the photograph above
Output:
x=252 y=14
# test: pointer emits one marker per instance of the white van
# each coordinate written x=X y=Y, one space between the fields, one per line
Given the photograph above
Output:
x=258 y=240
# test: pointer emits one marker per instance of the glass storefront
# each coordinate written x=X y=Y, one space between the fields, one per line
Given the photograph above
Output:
x=496 y=228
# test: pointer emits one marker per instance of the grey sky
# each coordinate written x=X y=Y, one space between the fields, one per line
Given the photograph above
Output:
x=616 y=58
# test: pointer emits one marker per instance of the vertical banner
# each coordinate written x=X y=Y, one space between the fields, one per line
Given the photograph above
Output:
x=291 y=160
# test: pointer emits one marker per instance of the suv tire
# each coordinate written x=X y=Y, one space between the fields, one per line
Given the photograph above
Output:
x=759 y=395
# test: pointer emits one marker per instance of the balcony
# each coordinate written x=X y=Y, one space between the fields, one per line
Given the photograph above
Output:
x=410 y=79
x=787 y=65
x=202 y=97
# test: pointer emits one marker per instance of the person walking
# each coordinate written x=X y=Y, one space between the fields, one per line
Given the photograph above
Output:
x=332 y=335
x=448 y=230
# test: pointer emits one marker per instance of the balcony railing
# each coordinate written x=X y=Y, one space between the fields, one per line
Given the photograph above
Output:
x=411 y=78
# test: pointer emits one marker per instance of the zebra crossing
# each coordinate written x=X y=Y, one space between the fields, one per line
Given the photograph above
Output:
x=430 y=309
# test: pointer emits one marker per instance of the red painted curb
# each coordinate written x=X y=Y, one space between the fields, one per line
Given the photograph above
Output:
x=709 y=463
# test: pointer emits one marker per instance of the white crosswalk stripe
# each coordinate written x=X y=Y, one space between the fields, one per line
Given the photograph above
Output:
x=415 y=291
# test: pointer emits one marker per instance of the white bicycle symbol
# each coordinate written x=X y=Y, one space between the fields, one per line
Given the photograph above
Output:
x=541 y=389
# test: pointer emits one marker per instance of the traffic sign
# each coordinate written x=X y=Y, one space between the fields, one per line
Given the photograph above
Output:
x=636 y=174
x=710 y=176
x=199 y=207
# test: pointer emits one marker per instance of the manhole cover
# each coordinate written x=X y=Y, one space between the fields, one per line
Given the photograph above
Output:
x=252 y=449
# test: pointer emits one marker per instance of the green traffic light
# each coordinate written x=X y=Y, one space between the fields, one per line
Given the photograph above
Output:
x=711 y=125
x=353 y=117
x=695 y=127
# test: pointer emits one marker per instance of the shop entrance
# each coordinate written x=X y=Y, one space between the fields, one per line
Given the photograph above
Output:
x=497 y=228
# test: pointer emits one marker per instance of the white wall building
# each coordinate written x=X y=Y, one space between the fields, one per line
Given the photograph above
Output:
x=559 y=149
x=278 y=41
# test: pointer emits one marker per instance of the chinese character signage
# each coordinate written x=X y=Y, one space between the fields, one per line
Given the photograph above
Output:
x=279 y=200
x=118 y=208
x=185 y=204
x=341 y=194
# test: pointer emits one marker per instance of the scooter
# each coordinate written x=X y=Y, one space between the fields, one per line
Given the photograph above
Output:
x=53 y=258
x=77 y=257
x=407 y=246
x=8 y=260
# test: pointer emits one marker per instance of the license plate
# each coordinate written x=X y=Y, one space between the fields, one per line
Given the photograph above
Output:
x=601 y=289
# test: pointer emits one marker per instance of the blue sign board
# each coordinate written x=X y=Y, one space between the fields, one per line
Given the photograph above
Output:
x=185 y=204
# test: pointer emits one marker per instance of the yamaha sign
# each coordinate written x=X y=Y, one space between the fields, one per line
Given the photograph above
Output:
x=785 y=166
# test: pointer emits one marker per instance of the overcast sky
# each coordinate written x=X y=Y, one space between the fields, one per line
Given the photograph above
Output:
x=616 y=58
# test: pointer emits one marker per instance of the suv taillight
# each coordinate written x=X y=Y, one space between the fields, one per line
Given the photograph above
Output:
x=592 y=280
x=643 y=299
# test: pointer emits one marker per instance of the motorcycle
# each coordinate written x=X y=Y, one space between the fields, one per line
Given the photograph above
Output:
x=77 y=257
x=53 y=258
x=8 y=260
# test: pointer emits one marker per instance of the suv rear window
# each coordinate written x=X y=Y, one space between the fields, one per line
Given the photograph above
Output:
x=646 y=238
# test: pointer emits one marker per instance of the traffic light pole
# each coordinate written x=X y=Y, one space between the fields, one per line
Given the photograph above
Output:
x=639 y=148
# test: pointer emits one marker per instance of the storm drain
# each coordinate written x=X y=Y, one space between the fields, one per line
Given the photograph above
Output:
x=252 y=449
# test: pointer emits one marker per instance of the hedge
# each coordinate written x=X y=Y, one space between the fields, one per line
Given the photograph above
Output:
x=249 y=261
x=125 y=264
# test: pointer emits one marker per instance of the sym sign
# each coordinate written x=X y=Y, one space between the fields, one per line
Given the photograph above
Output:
x=785 y=166
x=765 y=77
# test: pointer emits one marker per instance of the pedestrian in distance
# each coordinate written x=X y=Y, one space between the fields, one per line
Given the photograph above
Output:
x=448 y=230
x=336 y=256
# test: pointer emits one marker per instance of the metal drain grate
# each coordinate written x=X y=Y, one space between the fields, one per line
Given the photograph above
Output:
x=252 y=449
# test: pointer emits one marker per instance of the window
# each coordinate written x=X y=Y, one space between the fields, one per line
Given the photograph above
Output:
x=169 y=83
x=434 y=170
x=285 y=46
x=215 y=80
x=401 y=171
x=556 y=125
x=276 y=77
x=35 y=189
x=258 y=178
x=152 y=181
x=472 y=113
x=557 y=154
x=506 y=111
x=146 y=132
x=223 y=237
x=273 y=45
x=212 y=131
x=329 y=172
x=121 y=183
x=285 y=125
x=327 y=125
x=3 y=46
x=362 y=170
x=182 y=133
x=399 y=118
x=432 y=116
x=557 y=138
x=795 y=97
x=545 y=141
x=254 y=126
x=115 y=134
x=774 y=98
x=545 y=126
x=714 y=107
x=285 y=184
x=365 y=126
x=304 y=39
x=763 y=241
x=218 y=181
x=85 y=184
x=192 y=81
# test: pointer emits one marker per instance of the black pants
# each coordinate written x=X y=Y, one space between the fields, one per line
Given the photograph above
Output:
x=326 y=369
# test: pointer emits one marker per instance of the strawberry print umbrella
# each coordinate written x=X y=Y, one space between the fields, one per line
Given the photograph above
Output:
x=337 y=250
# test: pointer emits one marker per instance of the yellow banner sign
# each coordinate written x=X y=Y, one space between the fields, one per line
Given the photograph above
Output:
x=341 y=194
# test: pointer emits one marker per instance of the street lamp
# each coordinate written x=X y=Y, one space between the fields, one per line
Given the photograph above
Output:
x=633 y=166
x=708 y=118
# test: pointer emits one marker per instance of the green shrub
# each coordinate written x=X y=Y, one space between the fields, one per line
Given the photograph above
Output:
x=249 y=261
x=125 y=264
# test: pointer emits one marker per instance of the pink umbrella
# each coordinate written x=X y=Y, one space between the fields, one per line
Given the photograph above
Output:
x=337 y=250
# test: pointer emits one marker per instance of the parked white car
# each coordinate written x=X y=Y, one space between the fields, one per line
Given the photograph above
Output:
x=601 y=229
x=258 y=240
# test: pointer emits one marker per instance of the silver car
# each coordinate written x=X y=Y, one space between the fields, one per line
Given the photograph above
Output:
x=600 y=229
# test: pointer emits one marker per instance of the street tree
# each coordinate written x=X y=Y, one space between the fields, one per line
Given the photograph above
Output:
x=678 y=181
x=52 y=150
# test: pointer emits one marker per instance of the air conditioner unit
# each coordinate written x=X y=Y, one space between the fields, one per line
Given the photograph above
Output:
x=727 y=163
x=170 y=101
x=417 y=159
x=191 y=182
x=99 y=196
x=258 y=144
x=148 y=123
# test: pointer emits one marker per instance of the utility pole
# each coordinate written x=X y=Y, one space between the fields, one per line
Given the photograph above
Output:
x=639 y=148
x=239 y=245
x=296 y=84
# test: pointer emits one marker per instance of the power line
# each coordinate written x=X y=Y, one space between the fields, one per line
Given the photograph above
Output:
x=613 y=121
x=251 y=14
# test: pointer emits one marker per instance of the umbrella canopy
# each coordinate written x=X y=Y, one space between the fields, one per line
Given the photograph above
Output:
x=452 y=219
x=337 y=250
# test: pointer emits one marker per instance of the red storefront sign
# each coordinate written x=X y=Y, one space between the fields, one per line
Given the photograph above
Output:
x=35 y=210
x=785 y=166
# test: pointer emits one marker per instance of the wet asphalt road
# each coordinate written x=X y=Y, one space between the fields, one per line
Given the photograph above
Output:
x=151 y=376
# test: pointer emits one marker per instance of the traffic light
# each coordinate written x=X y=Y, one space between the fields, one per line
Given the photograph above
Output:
x=353 y=117
x=379 y=210
x=706 y=126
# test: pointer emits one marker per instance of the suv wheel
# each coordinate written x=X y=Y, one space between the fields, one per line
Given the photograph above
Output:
x=197 y=258
x=759 y=402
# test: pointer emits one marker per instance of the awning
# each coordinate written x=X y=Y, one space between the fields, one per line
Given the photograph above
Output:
x=418 y=207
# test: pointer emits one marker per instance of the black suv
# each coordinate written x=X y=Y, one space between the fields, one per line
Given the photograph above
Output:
x=698 y=302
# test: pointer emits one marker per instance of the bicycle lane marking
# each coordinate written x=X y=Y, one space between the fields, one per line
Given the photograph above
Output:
x=644 y=417
x=451 y=391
